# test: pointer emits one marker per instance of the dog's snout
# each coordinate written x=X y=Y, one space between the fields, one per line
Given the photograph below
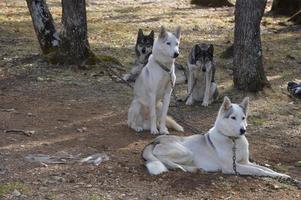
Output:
x=204 y=69
x=176 y=54
x=143 y=50
x=242 y=131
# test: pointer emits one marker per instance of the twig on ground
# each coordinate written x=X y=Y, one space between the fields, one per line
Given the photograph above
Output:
x=27 y=133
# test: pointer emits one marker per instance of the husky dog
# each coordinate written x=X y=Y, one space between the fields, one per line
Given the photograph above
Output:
x=153 y=87
x=201 y=83
x=143 y=50
x=210 y=152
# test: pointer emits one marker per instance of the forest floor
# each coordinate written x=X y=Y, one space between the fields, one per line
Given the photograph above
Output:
x=76 y=112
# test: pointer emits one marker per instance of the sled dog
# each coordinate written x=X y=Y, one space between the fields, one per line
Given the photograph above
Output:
x=153 y=87
x=201 y=72
x=210 y=152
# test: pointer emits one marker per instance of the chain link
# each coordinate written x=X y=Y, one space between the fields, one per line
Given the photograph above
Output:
x=234 y=156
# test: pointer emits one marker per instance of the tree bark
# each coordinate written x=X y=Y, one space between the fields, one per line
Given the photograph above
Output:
x=74 y=47
x=248 y=73
x=43 y=24
x=286 y=7
x=212 y=3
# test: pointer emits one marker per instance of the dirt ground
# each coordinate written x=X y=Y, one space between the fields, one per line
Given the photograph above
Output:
x=57 y=102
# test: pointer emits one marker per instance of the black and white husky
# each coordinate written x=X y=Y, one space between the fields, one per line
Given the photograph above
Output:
x=201 y=82
x=153 y=87
x=143 y=50
x=210 y=152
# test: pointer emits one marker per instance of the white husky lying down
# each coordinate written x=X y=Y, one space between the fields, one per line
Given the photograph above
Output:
x=210 y=152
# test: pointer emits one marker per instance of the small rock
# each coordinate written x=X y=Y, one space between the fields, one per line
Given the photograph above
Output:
x=275 y=187
x=81 y=130
x=16 y=193
x=58 y=179
x=298 y=164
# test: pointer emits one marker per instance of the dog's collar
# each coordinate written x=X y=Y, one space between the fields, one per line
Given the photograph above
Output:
x=163 y=66
x=210 y=141
x=233 y=138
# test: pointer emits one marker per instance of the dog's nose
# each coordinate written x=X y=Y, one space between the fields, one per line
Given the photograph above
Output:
x=204 y=69
x=242 y=131
x=176 y=55
x=143 y=50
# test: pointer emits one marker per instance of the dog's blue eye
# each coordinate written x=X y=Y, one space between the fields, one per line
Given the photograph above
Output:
x=234 y=118
x=168 y=43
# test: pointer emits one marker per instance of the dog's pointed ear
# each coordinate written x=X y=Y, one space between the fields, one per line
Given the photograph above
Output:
x=194 y=52
x=178 y=32
x=226 y=104
x=211 y=49
x=163 y=33
x=245 y=104
x=152 y=34
x=140 y=34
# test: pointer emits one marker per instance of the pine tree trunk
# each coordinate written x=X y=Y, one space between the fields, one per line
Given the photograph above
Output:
x=248 y=73
x=285 y=7
x=74 y=36
x=44 y=26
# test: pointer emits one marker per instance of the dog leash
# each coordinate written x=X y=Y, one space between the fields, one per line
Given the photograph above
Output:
x=234 y=154
x=173 y=114
x=111 y=71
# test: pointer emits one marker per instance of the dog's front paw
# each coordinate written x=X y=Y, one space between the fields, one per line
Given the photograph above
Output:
x=283 y=176
x=164 y=131
x=154 y=131
x=138 y=129
x=205 y=103
x=189 y=102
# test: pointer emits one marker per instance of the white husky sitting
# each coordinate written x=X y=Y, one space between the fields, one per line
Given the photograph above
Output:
x=210 y=152
x=153 y=87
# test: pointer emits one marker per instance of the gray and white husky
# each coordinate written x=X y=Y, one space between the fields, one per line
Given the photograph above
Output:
x=143 y=50
x=210 y=152
x=153 y=87
x=201 y=83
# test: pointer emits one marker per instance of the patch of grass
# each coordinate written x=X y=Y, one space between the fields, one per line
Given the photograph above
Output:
x=96 y=197
x=10 y=187
x=257 y=120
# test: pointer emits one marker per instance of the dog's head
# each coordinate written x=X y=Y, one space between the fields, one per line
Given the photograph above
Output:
x=167 y=43
x=144 y=44
x=232 y=118
x=202 y=56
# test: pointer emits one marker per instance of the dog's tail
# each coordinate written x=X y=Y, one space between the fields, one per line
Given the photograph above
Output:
x=171 y=123
x=153 y=164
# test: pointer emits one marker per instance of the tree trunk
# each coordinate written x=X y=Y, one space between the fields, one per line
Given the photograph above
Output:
x=74 y=36
x=285 y=7
x=43 y=25
x=248 y=73
x=212 y=3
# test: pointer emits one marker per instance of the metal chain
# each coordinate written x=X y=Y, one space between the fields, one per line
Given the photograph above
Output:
x=111 y=71
x=181 y=118
x=234 y=156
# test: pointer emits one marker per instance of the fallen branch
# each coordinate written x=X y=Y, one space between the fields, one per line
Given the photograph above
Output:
x=8 y=110
x=27 y=133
